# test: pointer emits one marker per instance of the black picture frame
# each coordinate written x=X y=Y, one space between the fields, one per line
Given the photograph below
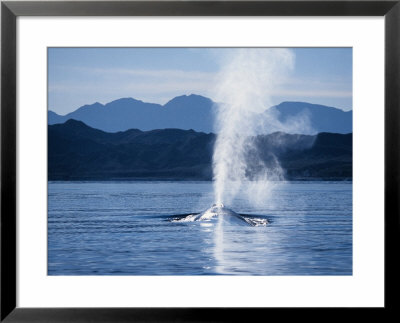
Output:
x=10 y=10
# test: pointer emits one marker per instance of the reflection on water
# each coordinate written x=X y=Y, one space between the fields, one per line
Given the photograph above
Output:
x=125 y=228
x=232 y=256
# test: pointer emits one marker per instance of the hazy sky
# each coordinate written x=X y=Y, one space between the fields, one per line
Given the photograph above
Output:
x=79 y=76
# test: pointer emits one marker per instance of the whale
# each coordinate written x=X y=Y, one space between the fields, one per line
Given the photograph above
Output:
x=222 y=212
x=218 y=212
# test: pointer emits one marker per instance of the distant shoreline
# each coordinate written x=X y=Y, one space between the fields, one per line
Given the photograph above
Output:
x=77 y=152
x=142 y=179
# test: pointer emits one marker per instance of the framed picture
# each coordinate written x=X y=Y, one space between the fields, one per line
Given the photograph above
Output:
x=184 y=160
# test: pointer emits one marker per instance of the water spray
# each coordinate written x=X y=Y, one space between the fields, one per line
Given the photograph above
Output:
x=246 y=83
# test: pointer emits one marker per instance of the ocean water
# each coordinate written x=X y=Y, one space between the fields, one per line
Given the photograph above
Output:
x=125 y=228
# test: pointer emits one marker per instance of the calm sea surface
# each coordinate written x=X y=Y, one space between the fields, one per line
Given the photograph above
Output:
x=124 y=228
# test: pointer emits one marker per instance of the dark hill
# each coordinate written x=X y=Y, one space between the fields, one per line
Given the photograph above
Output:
x=79 y=152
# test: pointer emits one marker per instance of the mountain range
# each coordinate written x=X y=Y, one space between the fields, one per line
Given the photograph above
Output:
x=79 y=152
x=198 y=113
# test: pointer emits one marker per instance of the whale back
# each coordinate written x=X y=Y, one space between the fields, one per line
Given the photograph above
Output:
x=221 y=213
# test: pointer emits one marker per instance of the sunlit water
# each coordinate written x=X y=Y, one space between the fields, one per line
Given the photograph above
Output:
x=127 y=228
